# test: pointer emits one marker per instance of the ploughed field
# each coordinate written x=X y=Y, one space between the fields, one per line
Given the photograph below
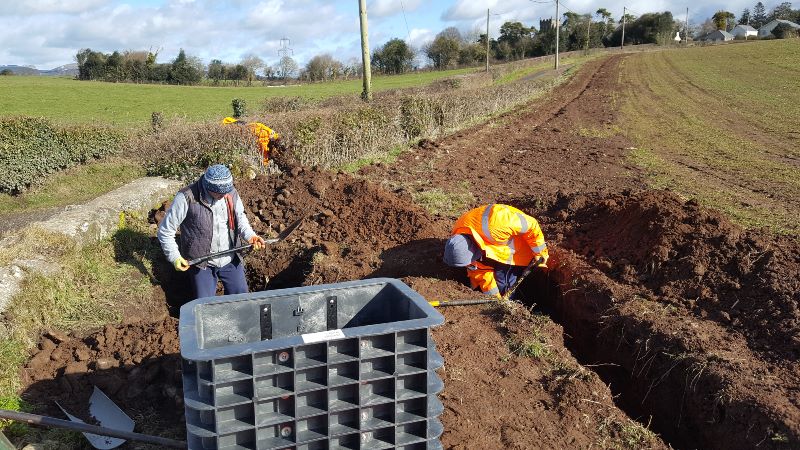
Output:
x=655 y=312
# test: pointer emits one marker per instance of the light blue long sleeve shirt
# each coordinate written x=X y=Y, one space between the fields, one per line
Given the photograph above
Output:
x=219 y=238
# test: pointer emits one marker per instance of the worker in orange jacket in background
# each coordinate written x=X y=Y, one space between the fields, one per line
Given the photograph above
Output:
x=265 y=136
x=495 y=243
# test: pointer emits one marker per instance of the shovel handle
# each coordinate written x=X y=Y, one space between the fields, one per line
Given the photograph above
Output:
x=462 y=302
x=218 y=254
x=52 y=422
x=533 y=264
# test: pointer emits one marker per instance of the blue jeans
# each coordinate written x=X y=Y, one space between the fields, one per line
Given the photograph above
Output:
x=204 y=281
x=505 y=275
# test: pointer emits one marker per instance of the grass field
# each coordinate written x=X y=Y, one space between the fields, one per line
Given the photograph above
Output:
x=72 y=186
x=71 y=101
x=720 y=124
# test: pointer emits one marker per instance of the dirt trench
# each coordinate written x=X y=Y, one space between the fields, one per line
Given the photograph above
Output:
x=654 y=309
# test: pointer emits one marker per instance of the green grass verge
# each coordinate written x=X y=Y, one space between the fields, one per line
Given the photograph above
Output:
x=724 y=137
x=88 y=289
x=543 y=66
x=75 y=185
x=384 y=158
x=438 y=201
x=71 y=101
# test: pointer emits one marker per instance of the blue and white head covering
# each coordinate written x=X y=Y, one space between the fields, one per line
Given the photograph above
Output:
x=219 y=179
x=461 y=250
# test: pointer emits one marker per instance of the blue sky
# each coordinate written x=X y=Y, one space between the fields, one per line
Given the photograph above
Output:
x=48 y=33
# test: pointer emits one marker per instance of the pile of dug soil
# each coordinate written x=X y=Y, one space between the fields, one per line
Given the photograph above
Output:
x=350 y=224
x=137 y=365
x=696 y=258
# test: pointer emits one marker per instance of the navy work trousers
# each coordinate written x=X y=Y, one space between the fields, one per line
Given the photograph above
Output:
x=204 y=281
x=506 y=275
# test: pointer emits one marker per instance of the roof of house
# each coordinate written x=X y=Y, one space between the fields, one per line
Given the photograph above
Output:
x=717 y=34
x=744 y=27
x=774 y=23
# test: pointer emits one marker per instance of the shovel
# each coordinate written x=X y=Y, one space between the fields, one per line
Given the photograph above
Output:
x=115 y=426
x=528 y=269
x=283 y=235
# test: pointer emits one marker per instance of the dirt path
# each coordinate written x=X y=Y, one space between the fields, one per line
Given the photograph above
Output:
x=654 y=309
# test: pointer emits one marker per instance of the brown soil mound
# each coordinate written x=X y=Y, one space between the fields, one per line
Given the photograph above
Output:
x=137 y=365
x=688 y=255
x=349 y=223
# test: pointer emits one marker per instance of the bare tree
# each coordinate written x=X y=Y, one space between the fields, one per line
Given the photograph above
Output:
x=287 y=67
x=252 y=63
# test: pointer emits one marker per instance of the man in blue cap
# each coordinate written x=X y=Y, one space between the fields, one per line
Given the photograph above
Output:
x=211 y=219
x=495 y=243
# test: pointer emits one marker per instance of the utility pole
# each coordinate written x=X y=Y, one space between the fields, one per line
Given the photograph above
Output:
x=487 y=41
x=622 y=44
x=588 y=32
x=557 y=29
x=686 y=29
x=366 y=94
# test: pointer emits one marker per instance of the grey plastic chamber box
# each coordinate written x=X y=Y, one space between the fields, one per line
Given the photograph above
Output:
x=349 y=365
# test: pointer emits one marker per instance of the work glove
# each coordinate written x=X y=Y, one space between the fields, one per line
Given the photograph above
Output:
x=543 y=264
x=257 y=242
x=181 y=265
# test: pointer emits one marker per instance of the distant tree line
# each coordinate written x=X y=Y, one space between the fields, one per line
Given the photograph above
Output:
x=138 y=67
x=451 y=48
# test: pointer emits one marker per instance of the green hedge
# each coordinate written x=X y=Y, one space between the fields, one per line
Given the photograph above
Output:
x=31 y=148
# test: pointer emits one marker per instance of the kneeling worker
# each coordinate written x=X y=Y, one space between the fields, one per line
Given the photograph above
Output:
x=495 y=243
x=211 y=218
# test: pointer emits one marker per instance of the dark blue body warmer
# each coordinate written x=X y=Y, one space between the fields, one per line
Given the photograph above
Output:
x=197 y=228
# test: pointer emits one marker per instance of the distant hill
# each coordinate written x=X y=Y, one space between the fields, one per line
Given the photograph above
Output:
x=20 y=70
x=65 y=70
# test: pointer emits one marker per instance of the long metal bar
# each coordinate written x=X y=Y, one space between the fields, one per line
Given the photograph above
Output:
x=52 y=422
x=283 y=235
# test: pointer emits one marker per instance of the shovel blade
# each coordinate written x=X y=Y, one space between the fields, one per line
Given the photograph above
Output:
x=108 y=415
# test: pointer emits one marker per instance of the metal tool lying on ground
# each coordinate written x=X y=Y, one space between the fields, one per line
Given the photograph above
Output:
x=283 y=235
x=528 y=269
x=115 y=426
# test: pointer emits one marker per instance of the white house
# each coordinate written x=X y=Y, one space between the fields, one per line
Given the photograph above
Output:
x=766 y=30
x=717 y=36
x=744 y=31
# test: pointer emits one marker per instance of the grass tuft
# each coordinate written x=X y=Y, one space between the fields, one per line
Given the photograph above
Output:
x=438 y=201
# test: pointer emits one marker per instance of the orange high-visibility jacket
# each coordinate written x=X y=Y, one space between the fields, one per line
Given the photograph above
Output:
x=262 y=133
x=506 y=235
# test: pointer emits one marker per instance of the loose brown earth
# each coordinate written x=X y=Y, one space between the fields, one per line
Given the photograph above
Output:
x=653 y=309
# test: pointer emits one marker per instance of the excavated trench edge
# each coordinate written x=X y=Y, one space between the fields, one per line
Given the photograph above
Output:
x=678 y=398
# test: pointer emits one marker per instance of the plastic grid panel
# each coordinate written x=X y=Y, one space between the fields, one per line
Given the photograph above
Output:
x=373 y=391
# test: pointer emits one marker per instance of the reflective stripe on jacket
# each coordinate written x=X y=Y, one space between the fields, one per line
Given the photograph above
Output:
x=504 y=233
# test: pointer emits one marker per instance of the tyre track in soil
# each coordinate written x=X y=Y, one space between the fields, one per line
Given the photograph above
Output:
x=530 y=151
x=709 y=350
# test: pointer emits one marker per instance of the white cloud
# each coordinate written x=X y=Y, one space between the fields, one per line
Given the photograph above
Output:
x=24 y=8
x=48 y=33
x=386 y=8
x=467 y=10
x=420 y=36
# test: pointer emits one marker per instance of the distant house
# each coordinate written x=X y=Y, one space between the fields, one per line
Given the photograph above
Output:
x=744 y=31
x=717 y=36
x=766 y=30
